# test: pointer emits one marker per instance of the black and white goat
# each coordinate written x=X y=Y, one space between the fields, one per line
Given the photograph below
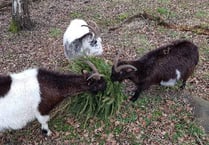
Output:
x=33 y=93
x=165 y=66
x=81 y=39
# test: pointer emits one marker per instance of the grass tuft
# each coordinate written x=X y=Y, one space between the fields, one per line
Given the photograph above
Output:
x=55 y=32
x=74 y=15
x=14 y=27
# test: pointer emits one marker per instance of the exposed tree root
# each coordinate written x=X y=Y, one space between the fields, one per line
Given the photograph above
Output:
x=199 y=29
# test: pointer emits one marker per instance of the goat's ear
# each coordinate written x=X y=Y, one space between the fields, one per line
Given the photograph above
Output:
x=87 y=36
x=85 y=73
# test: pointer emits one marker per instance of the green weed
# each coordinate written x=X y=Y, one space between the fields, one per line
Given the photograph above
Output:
x=129 y=118
x=164 y=1
x=204 y=51
x=144 y=102
x=194 y=130
x=74 y=15
x=14 y=27
x=122 y=16
x=60 y=125
x=145 y=45
x=118 y=129
x=55 y=32
x=165 y=12
x=201 y=14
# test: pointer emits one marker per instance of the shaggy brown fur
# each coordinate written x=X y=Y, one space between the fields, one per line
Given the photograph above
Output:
x=160 y=65
x=55 y=87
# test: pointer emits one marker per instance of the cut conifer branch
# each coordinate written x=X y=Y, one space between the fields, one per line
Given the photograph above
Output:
x=101 y=105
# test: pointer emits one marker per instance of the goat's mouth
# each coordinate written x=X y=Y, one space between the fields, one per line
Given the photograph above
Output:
x=99 y=88
x=113 y=79
x=98 y=91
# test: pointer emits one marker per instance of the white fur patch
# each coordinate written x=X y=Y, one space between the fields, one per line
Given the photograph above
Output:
x=43 y=120
x=75 y=30
x=20 y=104
x=173 y=81
x=178 y=74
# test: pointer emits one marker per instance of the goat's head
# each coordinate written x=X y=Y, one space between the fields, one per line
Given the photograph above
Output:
x=95 y=80
x=122 y=70
x=92 y=42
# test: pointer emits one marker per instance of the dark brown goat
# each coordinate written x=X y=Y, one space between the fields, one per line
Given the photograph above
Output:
x=164 y=65
x=33 y=93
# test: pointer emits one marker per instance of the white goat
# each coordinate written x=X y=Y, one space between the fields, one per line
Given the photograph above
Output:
x=78 y=40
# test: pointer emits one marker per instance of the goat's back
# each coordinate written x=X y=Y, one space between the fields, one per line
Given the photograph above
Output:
x=162 y=63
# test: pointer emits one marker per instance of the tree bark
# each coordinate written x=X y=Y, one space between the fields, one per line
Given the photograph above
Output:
x=21 y=15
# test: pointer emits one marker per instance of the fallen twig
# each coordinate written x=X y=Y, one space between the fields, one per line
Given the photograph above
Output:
x=199 y=29
x=198 y=139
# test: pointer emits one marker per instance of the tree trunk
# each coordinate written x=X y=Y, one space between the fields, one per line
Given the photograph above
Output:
x=21 y=15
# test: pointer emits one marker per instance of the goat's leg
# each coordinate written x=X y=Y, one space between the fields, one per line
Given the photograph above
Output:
x=44 y=125
x=140 y=87
x=186 y=77
x=183 y=85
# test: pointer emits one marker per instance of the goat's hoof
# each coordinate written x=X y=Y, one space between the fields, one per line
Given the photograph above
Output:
x=133 y=99
x=49 y=133
x=46 y=132
x=182 y=87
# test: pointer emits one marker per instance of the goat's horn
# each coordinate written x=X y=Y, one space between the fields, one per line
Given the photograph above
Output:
x=126 y=66
x=92 y=29
x=92 y=66
x=96 y=74
x=118 y=68
x=95 y=26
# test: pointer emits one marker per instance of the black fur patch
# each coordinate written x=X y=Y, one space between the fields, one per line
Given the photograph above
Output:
x=5 y=84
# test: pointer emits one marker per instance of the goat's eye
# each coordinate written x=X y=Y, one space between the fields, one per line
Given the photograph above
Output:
x=93 y=42
x=120 y=72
